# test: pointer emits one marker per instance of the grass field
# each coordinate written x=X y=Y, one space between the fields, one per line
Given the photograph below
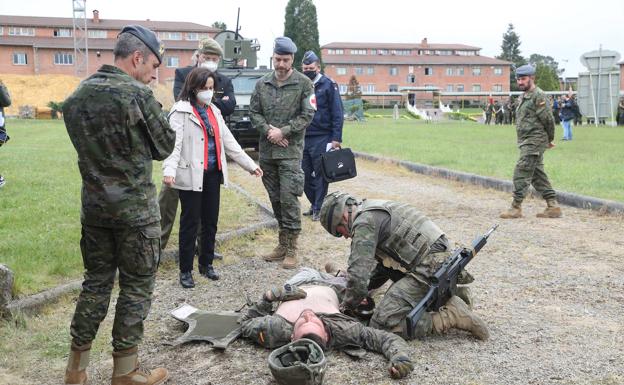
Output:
x=591 y=164
x=40 y=206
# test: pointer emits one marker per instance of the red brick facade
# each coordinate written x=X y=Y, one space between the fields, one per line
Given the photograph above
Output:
x=40 y=45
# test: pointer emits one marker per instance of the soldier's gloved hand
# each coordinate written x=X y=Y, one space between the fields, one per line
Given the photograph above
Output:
x=400 y=367
x=285 y=293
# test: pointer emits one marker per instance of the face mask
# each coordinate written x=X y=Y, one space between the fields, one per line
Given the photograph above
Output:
x=210 y=65
x=310 y=74
x=205 y=96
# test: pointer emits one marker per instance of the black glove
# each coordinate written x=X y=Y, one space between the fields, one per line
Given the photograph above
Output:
x=286 y=293
x=400 y=367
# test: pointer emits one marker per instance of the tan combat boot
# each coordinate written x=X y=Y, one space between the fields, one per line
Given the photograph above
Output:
x=279 y=252
x=456 y=314
x=290 y=259
x=552 y=210
x=515 y=211
x=126 y=370
x=76 y=371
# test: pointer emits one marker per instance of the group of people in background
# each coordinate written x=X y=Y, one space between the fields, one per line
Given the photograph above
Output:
x=504 y=113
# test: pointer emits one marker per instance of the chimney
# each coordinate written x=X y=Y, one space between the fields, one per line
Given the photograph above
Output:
x=424 y=41
x=96 y=16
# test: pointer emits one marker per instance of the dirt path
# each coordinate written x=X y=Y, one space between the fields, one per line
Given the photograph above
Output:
x=552 y=292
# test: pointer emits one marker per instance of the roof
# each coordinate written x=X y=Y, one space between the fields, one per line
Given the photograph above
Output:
x=114 y=24
x=68 y=43
x=356 y=45
x=414 y=60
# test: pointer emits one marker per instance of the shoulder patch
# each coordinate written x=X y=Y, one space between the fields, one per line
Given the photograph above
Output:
x=312 y=101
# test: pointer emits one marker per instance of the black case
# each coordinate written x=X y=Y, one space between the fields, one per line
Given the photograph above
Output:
x=338 y=165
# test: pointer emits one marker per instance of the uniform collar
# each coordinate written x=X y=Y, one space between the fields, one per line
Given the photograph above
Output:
x=292 y=79
x=317 y=78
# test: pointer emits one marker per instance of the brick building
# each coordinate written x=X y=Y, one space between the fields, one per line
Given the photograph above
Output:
x=45 y=45
x=388 y=67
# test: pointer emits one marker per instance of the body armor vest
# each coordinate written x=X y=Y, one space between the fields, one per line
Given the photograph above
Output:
x=411 y=234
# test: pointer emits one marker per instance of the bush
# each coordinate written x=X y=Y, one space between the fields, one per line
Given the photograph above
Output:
x=57 y=109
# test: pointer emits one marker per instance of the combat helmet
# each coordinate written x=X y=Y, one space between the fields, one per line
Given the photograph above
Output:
x=332 y=209
x=301 y=362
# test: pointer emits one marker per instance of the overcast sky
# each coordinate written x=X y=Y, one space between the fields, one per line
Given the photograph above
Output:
x=561 y=29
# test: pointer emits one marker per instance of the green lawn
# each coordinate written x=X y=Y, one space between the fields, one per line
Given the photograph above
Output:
x=591 y=164
x=40 y=206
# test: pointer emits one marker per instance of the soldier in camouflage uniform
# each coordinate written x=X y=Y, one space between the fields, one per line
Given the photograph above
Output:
x=392 y=240
x=118 y=128
x=281 y=107
x=311 y=311
x=535 y=127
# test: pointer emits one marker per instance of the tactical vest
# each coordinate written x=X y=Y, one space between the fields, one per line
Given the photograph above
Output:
x=411 y=234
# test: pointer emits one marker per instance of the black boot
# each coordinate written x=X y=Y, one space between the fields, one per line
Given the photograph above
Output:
x=208 y=272
x=309 y=212
x=186 y=280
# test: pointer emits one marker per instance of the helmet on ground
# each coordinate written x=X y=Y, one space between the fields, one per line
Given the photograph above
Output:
x=301 y=362
x=332 y=209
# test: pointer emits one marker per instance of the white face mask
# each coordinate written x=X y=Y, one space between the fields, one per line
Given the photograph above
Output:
x=205 y=96
x=210 y=65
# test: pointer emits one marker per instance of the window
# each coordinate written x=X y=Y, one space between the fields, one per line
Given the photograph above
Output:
x=359 y=70
x=466 y=53
x=430 y=86
x=343 y=88
x=411 y=78
x=498 y=70
x=1 y=31
x=459 y=71
x=497 y=88
x=383 y=51
x=370 y=70
x=403 y=52
x=173 y=61
x=20 y=58
x=449 y=71
x=373 y=52
x=63 y=58
x=460 y=88
x=449 y=88
x=97 y=33
x=476 y=71
x=358 y=52
x=62 y=32
x=21 y=31
x=394 y=71
x=476 y=88
x=196 y=36
x=428 y=71
x=170 y=35
x=393 y=88
x=341 y=71
x=370 y=88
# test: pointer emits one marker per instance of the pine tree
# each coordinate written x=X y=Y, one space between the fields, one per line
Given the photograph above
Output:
x=301 y=26
x=511 y=52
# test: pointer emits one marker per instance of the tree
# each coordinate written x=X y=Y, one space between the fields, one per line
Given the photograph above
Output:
x=511 y=52
x=219 y=25
x=302 y=27
x=546 y=72
x=353 y=89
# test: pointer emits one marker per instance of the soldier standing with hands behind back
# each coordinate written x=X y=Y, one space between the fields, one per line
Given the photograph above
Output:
x=281 y=107
x=117 y=128
x=535 y=127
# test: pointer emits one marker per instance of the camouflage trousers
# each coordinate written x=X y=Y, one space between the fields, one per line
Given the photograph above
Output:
x=530 y=171
x=283 y=181
x=135 y=252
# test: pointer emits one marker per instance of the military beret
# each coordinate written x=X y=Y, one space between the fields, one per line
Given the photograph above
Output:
x=284 y=46
x=210 y=46
x=525 y=70
x=310 y=57
x=148 y=37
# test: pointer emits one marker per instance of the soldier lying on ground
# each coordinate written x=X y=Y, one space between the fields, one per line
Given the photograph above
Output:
x=392 y=240
x=288 y=313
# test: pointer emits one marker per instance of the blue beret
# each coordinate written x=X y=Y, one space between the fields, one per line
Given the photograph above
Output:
x=284 y=46
x=148 y=37
x=310 y=57
x=525 y=70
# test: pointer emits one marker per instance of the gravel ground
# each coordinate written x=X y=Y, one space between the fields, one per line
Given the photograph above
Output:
x=551 y=291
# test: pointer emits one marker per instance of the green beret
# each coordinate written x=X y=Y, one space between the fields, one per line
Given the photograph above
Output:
x=209 y=46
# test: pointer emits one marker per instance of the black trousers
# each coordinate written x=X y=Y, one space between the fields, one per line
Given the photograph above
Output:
x=200 y=207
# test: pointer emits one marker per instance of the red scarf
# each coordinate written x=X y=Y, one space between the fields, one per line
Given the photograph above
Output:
x=215 y=128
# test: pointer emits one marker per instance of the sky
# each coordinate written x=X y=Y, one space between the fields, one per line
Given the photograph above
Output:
x=561 y=29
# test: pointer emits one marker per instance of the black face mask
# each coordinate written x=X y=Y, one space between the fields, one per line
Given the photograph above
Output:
x=310 y=74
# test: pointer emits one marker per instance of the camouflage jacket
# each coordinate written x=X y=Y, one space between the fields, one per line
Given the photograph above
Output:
x=117 y=128
x=535 y=124
x=289 y=106
x=272 y=331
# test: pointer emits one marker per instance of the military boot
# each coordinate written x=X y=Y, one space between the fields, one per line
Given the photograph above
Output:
x=515 y=211
x=456 y=314
x=76 y=371
x=278 y=252
x=290 y=259
x=552 y=210
x=126 y=370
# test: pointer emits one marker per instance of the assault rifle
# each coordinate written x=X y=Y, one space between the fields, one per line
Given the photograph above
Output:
x=444 y=282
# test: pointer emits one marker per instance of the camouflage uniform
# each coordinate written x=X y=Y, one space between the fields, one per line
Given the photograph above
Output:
x=117 y=128
x=535 y=127
x=287 y=106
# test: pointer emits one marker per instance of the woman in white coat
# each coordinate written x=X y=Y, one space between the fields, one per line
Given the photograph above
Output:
x=197 y=167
